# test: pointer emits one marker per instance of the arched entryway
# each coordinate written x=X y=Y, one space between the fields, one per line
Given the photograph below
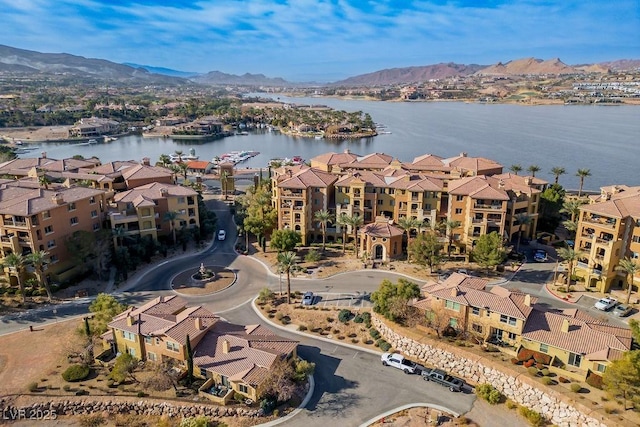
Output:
x=379 y=252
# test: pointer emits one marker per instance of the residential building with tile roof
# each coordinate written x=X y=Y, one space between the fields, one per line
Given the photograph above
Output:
x=235 y=357
x=609 y=231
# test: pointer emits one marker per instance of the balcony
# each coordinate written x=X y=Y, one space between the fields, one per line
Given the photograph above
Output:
x=291 y=194
x=11 y=223
x=604 y=222
x=489 y=207
x=604 y=241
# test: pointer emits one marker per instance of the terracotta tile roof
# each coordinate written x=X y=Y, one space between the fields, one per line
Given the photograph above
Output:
x=518 y=183
x=621 y=205
x=146 y=172
x=114 y=167
x=368 y=177
x=475 y=164
x=252 y=351
x=428 y=162
x=154 y=191
x=335 y=158
x=306 y=178
x=478 y=187
x=370 y=161
x=68 y=165
x=29 y=201
x=593 y=340
x=198 y=164
x=417 y=183
x=381 y=229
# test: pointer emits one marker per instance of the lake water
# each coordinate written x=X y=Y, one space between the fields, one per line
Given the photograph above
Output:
x=604 y=139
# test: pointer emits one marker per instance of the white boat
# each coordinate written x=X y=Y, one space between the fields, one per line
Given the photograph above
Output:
x=92 y=141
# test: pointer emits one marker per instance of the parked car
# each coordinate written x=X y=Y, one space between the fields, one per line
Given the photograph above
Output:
x=441 y=377
x=398 y=361
x=605 y=304
x=517 y=256
x=307 y=298
x=621 y=310
x=540 y=255
x=222 y=235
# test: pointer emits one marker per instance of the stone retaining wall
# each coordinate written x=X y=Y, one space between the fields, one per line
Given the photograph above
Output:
x=478 y=370
x=70 y=407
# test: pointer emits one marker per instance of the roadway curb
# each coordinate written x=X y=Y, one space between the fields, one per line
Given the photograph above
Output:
x=555 y=295
x=305 y=402
x=408 y=406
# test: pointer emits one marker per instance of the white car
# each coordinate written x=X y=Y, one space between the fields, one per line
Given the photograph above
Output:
x=307 y=298
x=222 y=235
x=605 y=304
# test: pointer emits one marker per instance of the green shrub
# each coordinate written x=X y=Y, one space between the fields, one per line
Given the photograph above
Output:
x=76 y=373
x=345 y=315
x=534 y=418
x=313 y=256
x=532 y=370
x=302 y=328
x=279 y=316
x=545 y=372
x=489 y=393
x=66 y=387
x=92 y=420
x=511 y=404
x=547 y=380
x=141 y=394
x=374 y=333
x=33 y=387
x=358 y=319
x=384 y=346
x=575 y=387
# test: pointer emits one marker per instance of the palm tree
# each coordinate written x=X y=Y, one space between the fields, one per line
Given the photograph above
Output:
x=515 y=168
x=16 y=263
x=571 y=256
x=287 y=261
x=324 y=217
x=557 y=171
x=224 y=179
x=522 y=219
x=631 y=267
x=533 y=169
x=39 y=260
x=171 y=217
x=343 y=221
x=449 y=225
x=164 y=160
x=354 y=222
x=408 y=223
x=572 y=207
x=582 y=174
x=44 y=181
x=183 y=168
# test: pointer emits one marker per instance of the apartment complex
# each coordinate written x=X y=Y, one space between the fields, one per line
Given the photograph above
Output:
x=575 y=342
x=233 y=358
x=430 y=189
x=608 y=231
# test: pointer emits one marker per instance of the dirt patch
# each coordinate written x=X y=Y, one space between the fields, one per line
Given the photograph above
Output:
x=184 y=284
x=419 y=417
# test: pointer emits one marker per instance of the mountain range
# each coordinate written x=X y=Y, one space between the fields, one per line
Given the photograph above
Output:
x=14 y=61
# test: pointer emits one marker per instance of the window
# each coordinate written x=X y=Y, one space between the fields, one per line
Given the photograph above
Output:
x=316 y=201
x=392 y=190
x=459 y=198
x=512 y=336
x=475 y=311
x=544 y=348
x=71 y=206
x=96 y=226
x=452 y=305
x=152 y=356
x=74 y=220
x=147 y=340
x=243 y=388
x=48 y=229
x=46 y=215
x=173 y=346
x=575 y=359
x=476 y=328
x=458 y=211
x=54 y=259
x=128 y=336
x=94 y=214
x=380 y=201
x=92 y=200
x=316 y=189
x=508 y=319
x=453 y=322
x=181 y=200
x=51 y=244
x=600 y=367
x=132 y=351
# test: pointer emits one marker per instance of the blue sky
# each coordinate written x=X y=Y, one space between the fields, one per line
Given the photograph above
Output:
x=323 y=40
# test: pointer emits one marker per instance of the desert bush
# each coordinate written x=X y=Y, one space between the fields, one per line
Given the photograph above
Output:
x=545 y=372
x=489 y=393
x=374 y=333
x=330 y=319
x=312 y=256
x=539 y=365
x=532 y=370
x=66 y=387
x=575 y=387
x=547 y=381
x=32 y=387
x=358 y=319
x=595 y=380
x=529 y=363
x=302 y=328
x=76 y=373
x=610 y=409
x=345 y=315
x=384 y=346
x=279 y=316
x=534 y=418
x=563 y=380
x=92 y=420
x=511 y=404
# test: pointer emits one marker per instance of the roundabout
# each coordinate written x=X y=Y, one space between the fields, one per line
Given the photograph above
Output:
x=204 y=280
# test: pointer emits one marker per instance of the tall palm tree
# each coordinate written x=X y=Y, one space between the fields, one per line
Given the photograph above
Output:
x=533 y=169
x=355 y=221
x=171 y=217
x=224 y=180
x=571 y=256
x=631 y=267
x=524 y=219
x=39 y=260
x=582 y=174
x=448 y=225
x=44 y=181
x=515 y=168
x=183 y=168
x=557 y=171
x=343 y=222
x=286 y=262
x=17 y=263
x=408 y=223
x=164 y=160
x=572 y=207
x=324 y=217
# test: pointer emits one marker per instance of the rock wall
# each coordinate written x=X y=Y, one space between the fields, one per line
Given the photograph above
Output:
x=478 y=370
x=54 y=409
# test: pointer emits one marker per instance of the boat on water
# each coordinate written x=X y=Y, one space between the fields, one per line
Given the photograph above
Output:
x=178 y=157
x=286 y=161
x=235 y=157
x=92 y=141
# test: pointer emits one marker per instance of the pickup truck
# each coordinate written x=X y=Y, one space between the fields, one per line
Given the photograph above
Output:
x=441 y=377
x=398 y=361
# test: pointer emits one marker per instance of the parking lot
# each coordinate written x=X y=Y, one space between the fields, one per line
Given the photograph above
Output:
x=343 y=300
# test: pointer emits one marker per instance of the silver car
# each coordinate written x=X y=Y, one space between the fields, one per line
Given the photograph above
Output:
x=307 y=298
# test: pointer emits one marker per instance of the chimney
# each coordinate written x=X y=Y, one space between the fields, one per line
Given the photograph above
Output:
x=454 y=292
x=161 y=298
x=43 y=154
x=527 y=180
x=57 y=199
x=501 y=184
x=527 y=300
x=463 y=154
x=164 y=192
x=198 y=321
x=226 y=348
x=347 y=151
x=129 y=320
x=565 y=326
x=146 y=161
